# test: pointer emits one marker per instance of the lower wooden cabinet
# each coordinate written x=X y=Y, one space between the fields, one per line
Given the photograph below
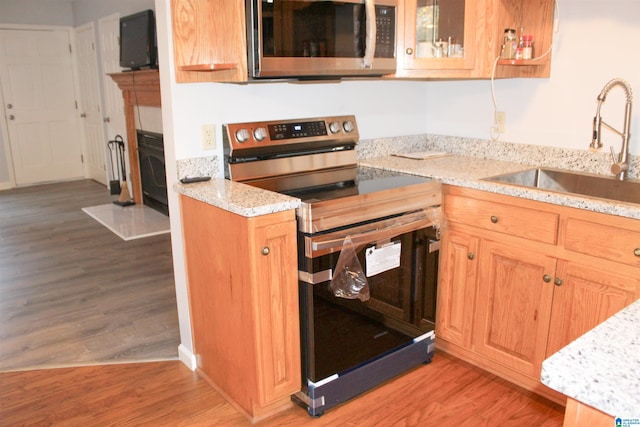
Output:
x=513 y=306
x=509 y=298
x=243 y=298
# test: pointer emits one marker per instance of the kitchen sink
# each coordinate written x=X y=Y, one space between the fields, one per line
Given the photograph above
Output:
x=563 y=181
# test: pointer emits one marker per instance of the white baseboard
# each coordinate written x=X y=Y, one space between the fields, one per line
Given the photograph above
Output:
x=5 y=185
x=187 y=357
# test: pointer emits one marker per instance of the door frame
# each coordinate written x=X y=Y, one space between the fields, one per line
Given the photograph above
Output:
x=3 y=119
x=76 y=63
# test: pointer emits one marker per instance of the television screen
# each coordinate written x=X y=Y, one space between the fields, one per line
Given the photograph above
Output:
x=138 y=41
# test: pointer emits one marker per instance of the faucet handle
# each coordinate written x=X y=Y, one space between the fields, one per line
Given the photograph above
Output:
x=618 y=166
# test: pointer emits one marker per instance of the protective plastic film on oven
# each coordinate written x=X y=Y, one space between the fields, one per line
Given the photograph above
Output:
x=349 y=279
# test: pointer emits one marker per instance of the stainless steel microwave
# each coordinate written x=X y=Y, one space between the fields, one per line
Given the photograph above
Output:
x=321 y=38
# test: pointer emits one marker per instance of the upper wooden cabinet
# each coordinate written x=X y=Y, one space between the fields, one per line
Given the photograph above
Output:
x=209 y=40
x=477 y=27
x=210 y=43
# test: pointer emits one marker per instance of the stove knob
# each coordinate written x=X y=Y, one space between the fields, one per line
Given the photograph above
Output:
x=260 y=134
x=334 y=127
x=348 y=126
x=242 y=135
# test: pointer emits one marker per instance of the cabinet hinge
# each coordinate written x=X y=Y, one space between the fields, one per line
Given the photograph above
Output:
x=70 y=51
x=76 y=102
x=81 y=158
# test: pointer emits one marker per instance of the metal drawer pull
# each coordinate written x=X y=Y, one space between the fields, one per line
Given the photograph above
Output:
x=494 y=219
x=265 y=250
x=636 y=251
x=546 y=278
x=557 y=281
x=470 y=255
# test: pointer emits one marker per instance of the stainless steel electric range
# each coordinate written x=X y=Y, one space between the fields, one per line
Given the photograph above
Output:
x=367 y=252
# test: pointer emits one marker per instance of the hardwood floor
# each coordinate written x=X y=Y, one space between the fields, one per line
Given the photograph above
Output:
x=72 y=292
x=447 y=392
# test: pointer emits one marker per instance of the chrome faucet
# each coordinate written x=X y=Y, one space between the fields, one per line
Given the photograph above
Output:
x=621 y=164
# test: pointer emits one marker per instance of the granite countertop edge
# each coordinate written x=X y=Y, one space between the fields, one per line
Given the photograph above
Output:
x=238 y=198
x=602 y=367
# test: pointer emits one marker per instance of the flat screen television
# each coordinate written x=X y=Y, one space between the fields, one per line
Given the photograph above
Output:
x=138 y=41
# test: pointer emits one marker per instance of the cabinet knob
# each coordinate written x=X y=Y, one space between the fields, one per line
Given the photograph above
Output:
x=546 y=278
x=494 y=219
x=9 y=106
x=409 y=51
x=557 y=281
x=12 y=117
x=636 y=251
x=470 y=255
x=265 y=250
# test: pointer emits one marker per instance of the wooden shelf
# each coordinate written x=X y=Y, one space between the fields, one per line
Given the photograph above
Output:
x=521 y=62
x=208 y=67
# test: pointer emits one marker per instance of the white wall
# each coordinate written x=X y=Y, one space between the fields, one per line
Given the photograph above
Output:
x=596 y=42
x=36 y=12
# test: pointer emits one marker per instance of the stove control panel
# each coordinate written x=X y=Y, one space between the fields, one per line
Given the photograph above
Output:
x=282 y=135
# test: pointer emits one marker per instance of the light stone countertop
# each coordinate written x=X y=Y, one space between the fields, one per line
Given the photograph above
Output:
x=602 y=367
x=468 y=172
x=238 y=198
x=464 y=171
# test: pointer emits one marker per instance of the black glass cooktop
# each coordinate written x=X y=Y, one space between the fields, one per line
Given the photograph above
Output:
x=365 y=180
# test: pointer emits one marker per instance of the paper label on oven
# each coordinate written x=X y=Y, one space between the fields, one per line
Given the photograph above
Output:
x=379 y=260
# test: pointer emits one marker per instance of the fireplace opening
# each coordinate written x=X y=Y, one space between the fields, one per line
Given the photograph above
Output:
x=153 y=177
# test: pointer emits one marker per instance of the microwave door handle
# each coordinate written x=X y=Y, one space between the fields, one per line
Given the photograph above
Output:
x=370 y=36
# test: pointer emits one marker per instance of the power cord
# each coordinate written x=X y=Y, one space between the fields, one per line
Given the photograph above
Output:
x=494 y=130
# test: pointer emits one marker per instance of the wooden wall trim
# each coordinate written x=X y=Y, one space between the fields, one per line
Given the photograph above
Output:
x=138 y=88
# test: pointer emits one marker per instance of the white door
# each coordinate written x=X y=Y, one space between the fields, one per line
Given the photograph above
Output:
x=114 y=118
x=109 y=33
x=36 y=73
x=90 y=112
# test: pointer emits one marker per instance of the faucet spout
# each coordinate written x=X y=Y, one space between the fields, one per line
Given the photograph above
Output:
x=621 y=164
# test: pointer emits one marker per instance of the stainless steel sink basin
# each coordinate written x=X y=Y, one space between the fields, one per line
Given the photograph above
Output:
x=584 y=184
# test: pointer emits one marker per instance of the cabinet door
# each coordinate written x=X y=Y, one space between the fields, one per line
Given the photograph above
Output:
x=513 y=306
x=275 y=310
x=438 y=35
x=584 y=297
x=457 y=287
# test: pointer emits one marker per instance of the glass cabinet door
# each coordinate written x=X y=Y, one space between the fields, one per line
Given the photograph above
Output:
x=439 y=34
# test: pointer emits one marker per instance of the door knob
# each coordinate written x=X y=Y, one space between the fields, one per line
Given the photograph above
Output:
x=12 y=117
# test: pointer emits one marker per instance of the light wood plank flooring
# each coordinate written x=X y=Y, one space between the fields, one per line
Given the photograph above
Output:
x=72 y=292
x=448 y=392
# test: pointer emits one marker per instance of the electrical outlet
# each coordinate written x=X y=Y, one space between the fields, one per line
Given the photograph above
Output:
x=209 y=137
x=501 y=121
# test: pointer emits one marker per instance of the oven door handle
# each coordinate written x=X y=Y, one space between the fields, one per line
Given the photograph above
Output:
x=317 y=246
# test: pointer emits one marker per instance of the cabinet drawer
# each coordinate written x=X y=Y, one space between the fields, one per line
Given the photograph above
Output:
x=531 y=224
x=604 y=241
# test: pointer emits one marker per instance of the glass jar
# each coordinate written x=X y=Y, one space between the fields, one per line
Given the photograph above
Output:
x=527 y=47
x=510 y=44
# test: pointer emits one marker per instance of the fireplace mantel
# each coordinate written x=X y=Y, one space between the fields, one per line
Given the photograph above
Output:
x=138 y=88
